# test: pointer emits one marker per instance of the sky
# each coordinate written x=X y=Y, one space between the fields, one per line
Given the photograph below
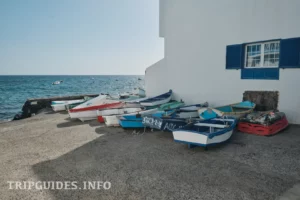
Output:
x=79 y=37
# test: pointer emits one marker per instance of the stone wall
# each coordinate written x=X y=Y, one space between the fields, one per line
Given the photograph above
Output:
x=265 y=100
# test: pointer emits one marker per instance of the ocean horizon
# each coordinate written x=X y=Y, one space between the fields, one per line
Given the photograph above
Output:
x=16 y=89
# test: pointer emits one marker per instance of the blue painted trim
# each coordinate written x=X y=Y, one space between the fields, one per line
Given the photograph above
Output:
x=158 y=98
x=209 y=135
x=262 y=41
x=201 y=145
x=260 y=73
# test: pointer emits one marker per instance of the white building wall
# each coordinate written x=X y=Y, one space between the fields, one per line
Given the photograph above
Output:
x=196 y=34
x=154 y=78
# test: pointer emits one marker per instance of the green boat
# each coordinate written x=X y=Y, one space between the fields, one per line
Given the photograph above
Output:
x=167 y=106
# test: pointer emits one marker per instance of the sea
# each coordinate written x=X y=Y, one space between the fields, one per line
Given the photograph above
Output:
x=15 y=90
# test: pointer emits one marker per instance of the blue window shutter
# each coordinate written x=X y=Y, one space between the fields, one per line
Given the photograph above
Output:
x=262 y=74
x=290 y=53
x=234 y=56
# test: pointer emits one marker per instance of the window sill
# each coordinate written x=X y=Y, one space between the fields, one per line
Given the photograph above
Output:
x=264 y=67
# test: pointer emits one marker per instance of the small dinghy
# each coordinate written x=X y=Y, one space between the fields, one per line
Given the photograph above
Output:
x=88 y=110
x=206 y=133
x=158 y=100
x=57 y=82
x=236 y=110
x=61 y=105
x=263 y=123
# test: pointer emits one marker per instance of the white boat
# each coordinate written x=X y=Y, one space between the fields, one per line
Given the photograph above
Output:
x=88 y=110
x=158 y=100
x=190 y=111
x=117 y=111
x=61 y=105
x=57 y=82
x=110 y=117
x=206 y=133
x=139 y=91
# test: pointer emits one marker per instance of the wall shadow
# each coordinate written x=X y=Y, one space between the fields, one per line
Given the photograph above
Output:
x=152 y=165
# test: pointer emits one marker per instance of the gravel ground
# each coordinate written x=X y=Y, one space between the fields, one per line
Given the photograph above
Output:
x=49 y=147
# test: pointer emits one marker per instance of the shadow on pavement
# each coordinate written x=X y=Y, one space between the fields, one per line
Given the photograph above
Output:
x=152 y=165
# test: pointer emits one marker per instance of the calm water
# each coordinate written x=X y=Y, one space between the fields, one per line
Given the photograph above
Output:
x=14 y=90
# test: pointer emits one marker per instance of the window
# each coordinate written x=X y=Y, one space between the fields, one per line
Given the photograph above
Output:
x=262 y=55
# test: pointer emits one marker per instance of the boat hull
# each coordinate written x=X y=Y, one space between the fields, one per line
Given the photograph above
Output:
x=131 y=123
x=237 y=110
x=206 y=132
x=61 y=105
x=155 y=103
x=58 y=107
x=84 y=115
x=90 y=114
x=187 y=115
x=111 y=120
x=199 y=139
x=158 y=100
x=108 y=115
x=163 y=124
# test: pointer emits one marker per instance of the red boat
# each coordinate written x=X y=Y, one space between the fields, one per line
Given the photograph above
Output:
x=88 y=110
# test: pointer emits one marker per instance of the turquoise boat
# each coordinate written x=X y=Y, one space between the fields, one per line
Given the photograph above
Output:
x=236 y=110
x=136 y=121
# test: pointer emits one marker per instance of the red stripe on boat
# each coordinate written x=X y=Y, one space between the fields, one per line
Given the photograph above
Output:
x=109 y=105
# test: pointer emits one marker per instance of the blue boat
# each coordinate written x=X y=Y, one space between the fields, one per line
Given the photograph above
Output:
x=158 y=100
x=190 y=111
x=166 y=123
x=136 y=121
x=206 y=133
x=236 y=110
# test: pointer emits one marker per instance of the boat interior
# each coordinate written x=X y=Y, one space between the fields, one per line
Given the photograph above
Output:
x=210 y=126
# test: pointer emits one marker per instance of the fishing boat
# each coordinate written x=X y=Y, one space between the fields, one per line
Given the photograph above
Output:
x=166 y=123
x=139 y=91
x=112 y=113
x=57 y=82
x=190 y=111
x=158 y=100
x=73 y=105
x=136 y=121
x=88 y=110
x=61 y=105
x=236 y=110
x=206 y=133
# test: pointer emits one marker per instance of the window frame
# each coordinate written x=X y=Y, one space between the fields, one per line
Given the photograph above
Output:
x=262 y=54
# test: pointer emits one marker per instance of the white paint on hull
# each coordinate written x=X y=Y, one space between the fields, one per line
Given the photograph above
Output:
x=61 y=105
x=117 y=111
x=111 y=120
x=187 y=115
x=84 y=115
x=198 y=138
